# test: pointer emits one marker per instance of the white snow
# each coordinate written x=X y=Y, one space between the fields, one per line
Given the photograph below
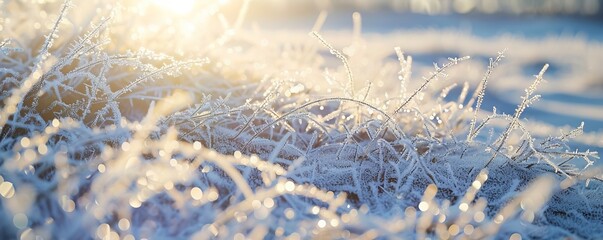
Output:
x=199 y=122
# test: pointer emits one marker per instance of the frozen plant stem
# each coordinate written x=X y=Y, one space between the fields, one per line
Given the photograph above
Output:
x=32 y=84
x=404 y=73
x=525 y=103
x=157 y=73
x=309 y=104
x=480 y=95
x=320 y=20
x=343 y=59
x=439 y=71
x=434 y=75
x=271 y=96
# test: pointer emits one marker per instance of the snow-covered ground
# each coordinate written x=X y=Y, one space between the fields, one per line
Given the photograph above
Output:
x=259 y=119
x=570 y=44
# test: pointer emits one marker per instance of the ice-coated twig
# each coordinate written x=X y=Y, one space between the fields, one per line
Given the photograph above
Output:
x=29 y=84
x=310 y=104
x=480 y=92
x=527 y=99
x=344 y=60
x=434 y=75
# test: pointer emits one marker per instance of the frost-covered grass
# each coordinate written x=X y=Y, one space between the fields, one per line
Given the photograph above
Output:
x=119 y=124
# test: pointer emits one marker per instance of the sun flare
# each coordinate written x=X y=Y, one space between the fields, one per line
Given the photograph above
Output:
x=176 y=6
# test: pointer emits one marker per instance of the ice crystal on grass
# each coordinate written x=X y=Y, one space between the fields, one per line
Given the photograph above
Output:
x=101 y=139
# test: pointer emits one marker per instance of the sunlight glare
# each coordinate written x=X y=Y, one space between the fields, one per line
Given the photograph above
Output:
x=176 y=6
